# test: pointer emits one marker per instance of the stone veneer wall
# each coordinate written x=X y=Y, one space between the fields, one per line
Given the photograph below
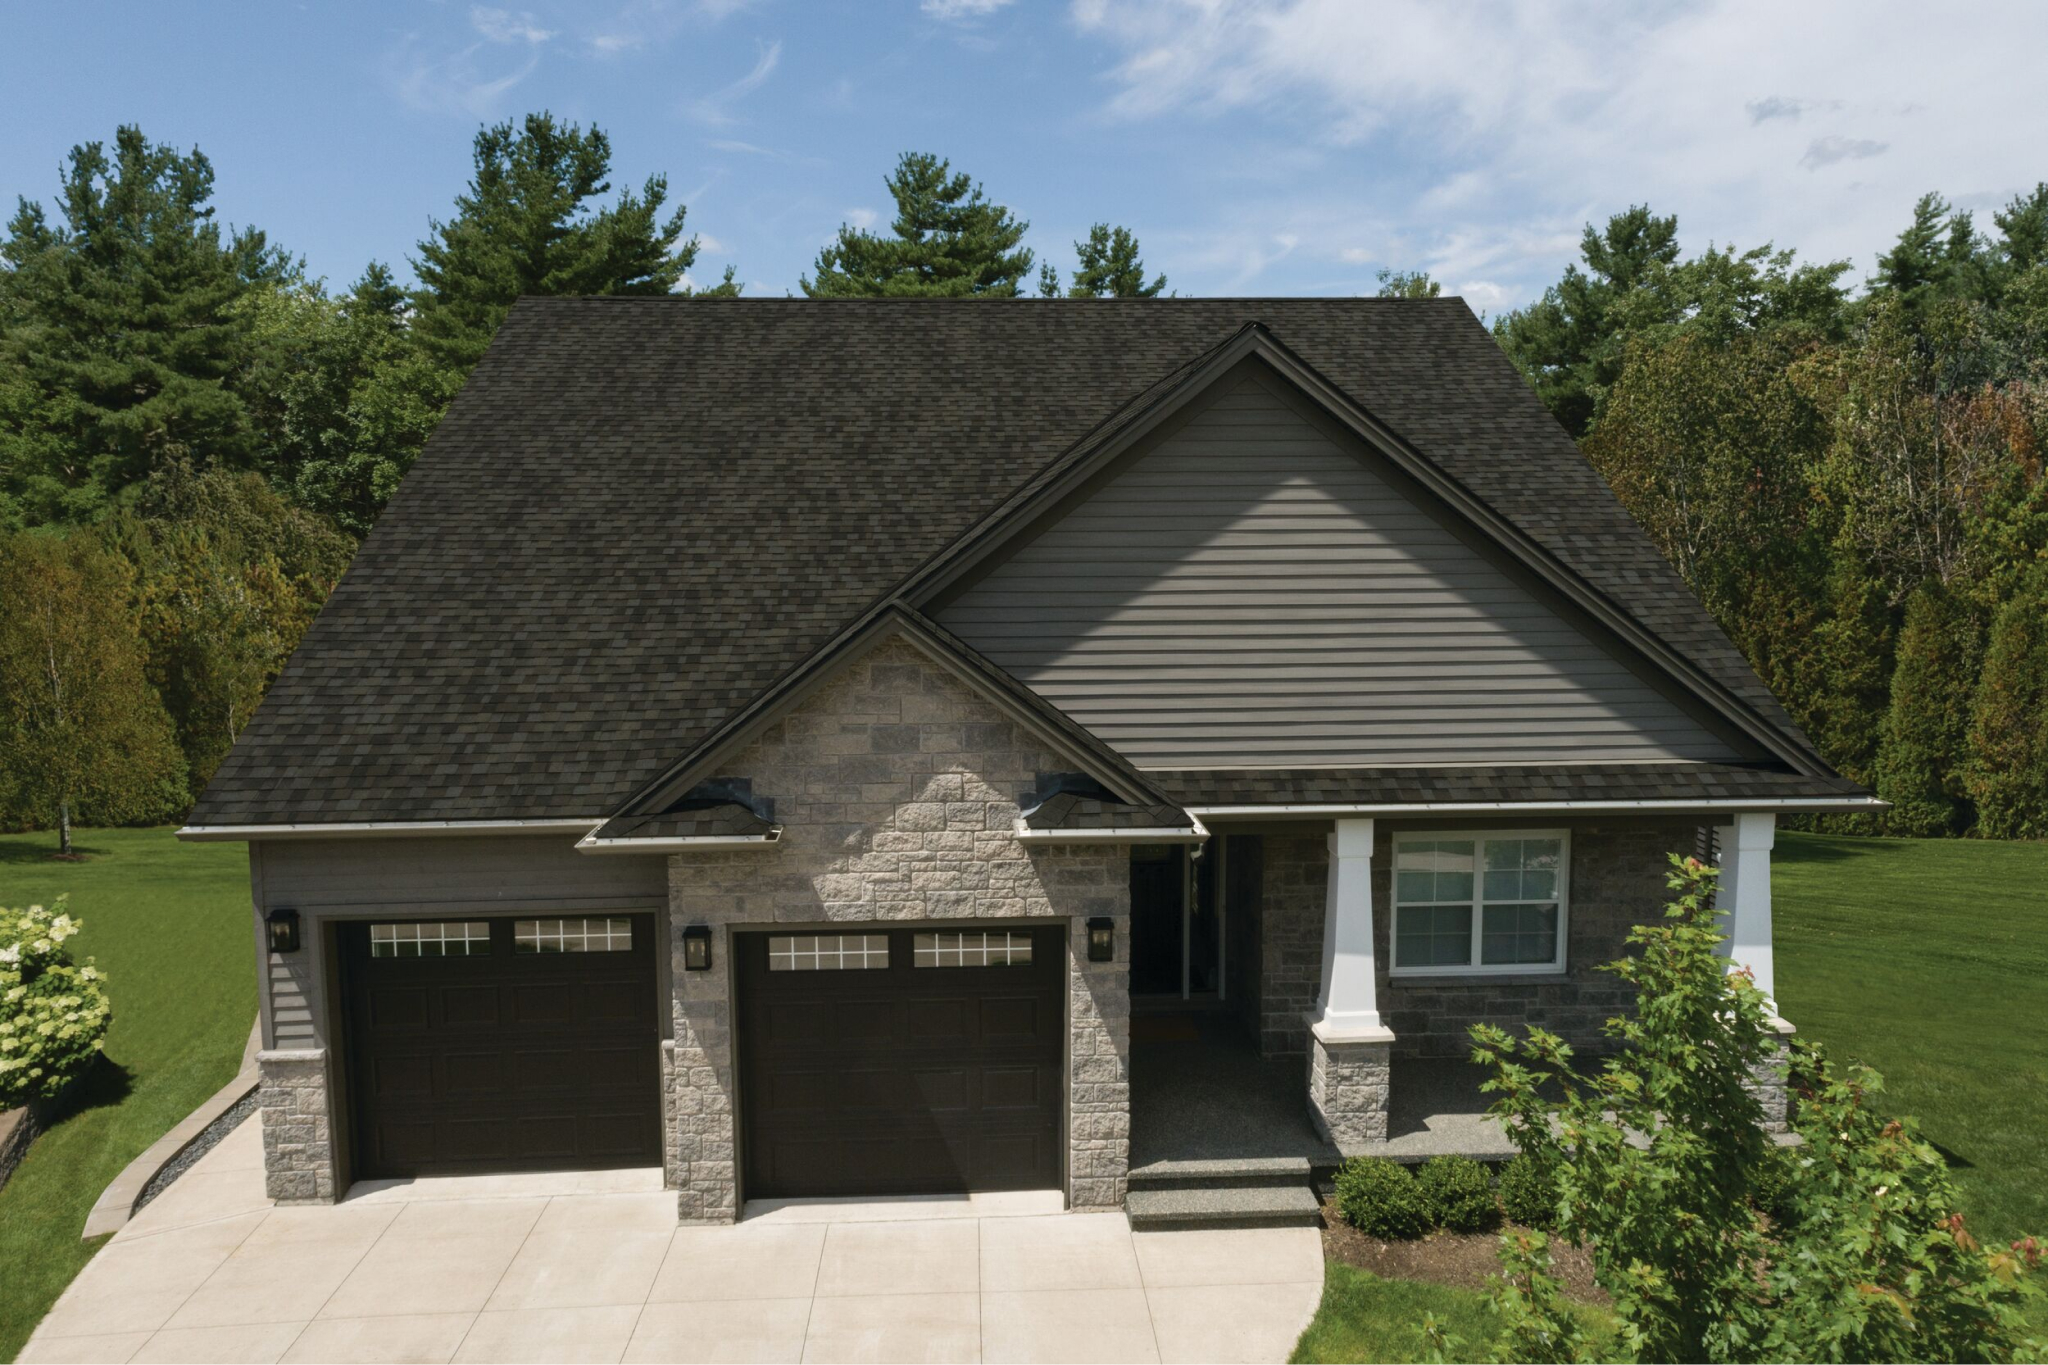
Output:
x=898 y=787
x=1294 y=870
x=1617 y=880
x=298 y=1134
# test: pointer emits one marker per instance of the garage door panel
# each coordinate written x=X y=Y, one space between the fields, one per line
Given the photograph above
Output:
x=544 y=1002
x=940 y=1021
x=485 y=1059
x=398 y=1007
x=956 y=1087
x=474 y=1073
x=469 y=1006
x=1005 y=1018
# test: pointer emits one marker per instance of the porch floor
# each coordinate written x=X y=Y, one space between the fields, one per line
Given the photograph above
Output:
x=1200 y=1091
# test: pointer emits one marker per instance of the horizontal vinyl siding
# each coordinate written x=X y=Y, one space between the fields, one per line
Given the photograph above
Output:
x=1248 y=594
x=426 y=878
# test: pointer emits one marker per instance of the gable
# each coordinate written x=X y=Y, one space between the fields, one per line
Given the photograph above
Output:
x=1253 y=590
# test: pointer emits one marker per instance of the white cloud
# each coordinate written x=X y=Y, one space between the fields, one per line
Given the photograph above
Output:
x=716 y=108
x=507 y=26
x=1826 y=151
x=863 y=218
x=1481 y=136
x=951 y=11
x=453 y=84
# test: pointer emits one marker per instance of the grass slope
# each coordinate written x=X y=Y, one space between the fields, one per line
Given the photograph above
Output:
x=169 y=923
x=1928 y=959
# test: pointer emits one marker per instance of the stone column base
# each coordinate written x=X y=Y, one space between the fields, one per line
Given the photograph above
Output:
x=1767 y=1081
x=298 y=1134
x=1350 y=1074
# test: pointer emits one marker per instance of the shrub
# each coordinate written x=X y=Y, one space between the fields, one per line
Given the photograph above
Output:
x=1660 y=1165
x=1457 y=1194
x=1772 y=1187
x=53 y=1013
x=1380 y=1198
x=1527 y=1196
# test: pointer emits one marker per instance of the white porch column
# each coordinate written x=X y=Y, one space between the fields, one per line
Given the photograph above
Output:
x=1744 y=898
x=1349 y=1049
x=1349 y=998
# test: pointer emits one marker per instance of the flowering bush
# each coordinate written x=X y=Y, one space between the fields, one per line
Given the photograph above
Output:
x=53 y=1012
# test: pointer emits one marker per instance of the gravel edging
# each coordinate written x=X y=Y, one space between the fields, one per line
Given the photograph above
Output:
x=198 y=1147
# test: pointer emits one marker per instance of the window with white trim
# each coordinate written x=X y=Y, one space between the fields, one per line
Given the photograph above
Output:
x=1483 y=902
x=827 y=952
x=971 y=950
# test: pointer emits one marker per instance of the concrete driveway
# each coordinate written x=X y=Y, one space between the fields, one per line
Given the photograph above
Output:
x=593 y=1267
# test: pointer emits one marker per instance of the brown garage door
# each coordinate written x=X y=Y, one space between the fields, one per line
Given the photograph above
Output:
x=898 y=1061
x=502 y=1044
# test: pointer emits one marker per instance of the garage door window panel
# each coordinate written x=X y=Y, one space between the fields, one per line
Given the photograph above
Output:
x=431 y=938
x=572 y=936
x=972 y=950
x=828 y=952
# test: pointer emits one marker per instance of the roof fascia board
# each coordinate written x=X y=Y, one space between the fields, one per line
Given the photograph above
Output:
x=1194 y=832
x=380 y=829
x=889 y=621
x=683 y=843
x=995 y=534
x=1807 y=805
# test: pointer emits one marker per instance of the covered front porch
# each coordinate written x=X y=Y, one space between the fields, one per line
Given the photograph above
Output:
x=1202 y=1093
x=1287 y=1022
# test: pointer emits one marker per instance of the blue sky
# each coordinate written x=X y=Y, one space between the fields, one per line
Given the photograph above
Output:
x=1285 y=148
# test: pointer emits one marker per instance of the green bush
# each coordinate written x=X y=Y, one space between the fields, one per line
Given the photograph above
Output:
x=53 y=1013
x=1773 y=1186
x=1380 y=1198
x=1457 y=1194
x=1526 y=1195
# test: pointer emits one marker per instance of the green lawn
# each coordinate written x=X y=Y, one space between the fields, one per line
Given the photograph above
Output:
x=1927 y=959
x=169 y=923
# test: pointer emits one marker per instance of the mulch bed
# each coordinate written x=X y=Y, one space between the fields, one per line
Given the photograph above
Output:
x=1464 y=1260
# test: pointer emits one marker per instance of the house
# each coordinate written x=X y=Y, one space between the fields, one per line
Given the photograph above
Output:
x=821 y=746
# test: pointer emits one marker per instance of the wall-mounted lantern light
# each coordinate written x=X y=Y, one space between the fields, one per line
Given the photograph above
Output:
x=697 y=948
x=1102 y=939
x=283 y=926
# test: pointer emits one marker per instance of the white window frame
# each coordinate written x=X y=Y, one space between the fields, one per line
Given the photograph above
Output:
x=1472 y=966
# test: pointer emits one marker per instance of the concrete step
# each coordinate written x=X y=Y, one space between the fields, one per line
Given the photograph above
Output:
x=1222 y=1173
x=1255 y=1207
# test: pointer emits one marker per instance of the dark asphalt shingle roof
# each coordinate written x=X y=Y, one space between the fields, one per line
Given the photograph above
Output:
x=1554 y=782
x=1070 y=811
x=727 y=819
x=639 y=514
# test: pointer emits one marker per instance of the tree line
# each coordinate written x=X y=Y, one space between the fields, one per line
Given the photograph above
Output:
x=1850 y=480
x=195 y=432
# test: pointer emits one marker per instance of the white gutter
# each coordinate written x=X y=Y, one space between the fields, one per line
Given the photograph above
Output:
x=379 y=829
x=1193 y=833
x=681 y=843
x=1787 y=803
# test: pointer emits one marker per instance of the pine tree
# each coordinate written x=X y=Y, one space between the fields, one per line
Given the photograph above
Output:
x=947 y=241
x=121 y=329
x=1565 y=344
x=1919 y=760
x=2007 y=772
x=528 y=224
x=1936 y=258
x=1110 y=267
